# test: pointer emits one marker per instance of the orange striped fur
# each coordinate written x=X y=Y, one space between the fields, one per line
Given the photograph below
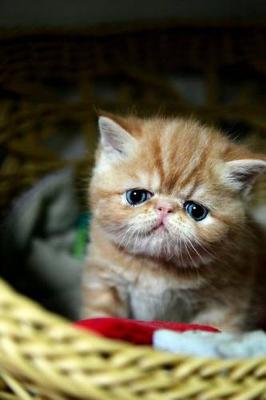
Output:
x=211 y=271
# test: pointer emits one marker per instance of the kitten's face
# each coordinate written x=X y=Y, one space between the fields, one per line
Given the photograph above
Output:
x=169 y=188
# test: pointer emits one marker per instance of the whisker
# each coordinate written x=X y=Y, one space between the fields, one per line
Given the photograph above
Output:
x=195 y=250
x=188 y=253
x=204 y=248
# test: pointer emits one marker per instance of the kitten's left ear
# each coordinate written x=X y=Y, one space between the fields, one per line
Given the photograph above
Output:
x=115 y=140
x=242 y=174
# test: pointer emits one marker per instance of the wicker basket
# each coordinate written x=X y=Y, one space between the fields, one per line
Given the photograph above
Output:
x=41 y=355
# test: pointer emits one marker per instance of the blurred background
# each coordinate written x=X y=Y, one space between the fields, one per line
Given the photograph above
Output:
x=61 y=60
x=84 y=13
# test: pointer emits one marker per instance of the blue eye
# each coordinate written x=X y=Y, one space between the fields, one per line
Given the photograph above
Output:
x=195 y=210
x=137 y=196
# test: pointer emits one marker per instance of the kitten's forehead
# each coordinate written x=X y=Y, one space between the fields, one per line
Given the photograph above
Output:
x=151 y=180
x=177 y=153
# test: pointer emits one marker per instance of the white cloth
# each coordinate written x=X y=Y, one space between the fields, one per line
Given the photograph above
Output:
x=213 y=345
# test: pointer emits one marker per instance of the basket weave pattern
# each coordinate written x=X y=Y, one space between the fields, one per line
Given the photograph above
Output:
x=43 y=356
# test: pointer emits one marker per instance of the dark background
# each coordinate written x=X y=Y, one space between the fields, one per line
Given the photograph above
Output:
x=87 y=13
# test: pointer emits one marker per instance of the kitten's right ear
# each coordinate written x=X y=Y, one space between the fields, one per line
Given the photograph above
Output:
x=242 y=174
x=115 y=140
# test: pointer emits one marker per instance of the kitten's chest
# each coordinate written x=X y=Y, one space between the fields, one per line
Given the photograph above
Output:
x=157 y=299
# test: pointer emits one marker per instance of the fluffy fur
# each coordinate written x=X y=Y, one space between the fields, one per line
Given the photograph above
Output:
x=209 y=271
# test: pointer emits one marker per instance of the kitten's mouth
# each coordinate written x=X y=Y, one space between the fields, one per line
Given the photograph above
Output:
x=160 y=227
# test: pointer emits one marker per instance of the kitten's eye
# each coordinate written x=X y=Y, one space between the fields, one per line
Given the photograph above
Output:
x=137 y=196
x=195 y=210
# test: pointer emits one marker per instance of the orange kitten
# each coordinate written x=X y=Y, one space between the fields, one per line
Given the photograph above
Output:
x=171 y=237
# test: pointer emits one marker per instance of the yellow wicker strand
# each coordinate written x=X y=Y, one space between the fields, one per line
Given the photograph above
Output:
x=8 y=396
x=122 y=393
x=160 y=359
x=108 y=391
x=63 y=382
x=218 y=366
x=261 y=370
x=256 y=391
x=221 y=389
x=160 y=381
x=169 y=386
x=16 y=387
x=11 y=360
x=129 y=356
x=185 y=390
x=247 y=367
x=190 y=366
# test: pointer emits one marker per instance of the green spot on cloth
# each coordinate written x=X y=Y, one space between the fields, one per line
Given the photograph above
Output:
x=81 y=239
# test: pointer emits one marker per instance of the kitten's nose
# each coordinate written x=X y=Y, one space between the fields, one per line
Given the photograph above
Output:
x=164 y=207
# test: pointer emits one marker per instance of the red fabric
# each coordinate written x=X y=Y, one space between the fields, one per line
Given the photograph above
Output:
x=138 y=332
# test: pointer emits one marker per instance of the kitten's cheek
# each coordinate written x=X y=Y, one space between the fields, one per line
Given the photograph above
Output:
x=180 y=225
x=212 y=232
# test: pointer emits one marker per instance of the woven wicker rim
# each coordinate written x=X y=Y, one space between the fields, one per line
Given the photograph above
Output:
x=43 y=356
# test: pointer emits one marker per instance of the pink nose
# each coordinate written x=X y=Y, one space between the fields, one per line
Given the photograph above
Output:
x=164 y=207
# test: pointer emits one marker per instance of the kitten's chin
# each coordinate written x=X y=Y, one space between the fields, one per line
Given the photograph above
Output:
x=159 y=244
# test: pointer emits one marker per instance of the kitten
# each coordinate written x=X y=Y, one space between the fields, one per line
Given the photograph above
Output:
x=171 y=236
